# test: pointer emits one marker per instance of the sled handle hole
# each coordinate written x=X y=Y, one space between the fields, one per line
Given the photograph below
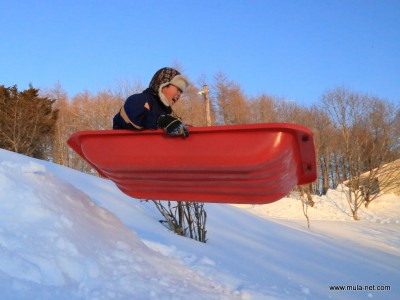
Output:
x=305 y=138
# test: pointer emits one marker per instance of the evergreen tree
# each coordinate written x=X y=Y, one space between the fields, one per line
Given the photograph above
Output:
x=26 y=121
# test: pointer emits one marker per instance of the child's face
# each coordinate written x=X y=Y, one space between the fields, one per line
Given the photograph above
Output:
x=172 y=93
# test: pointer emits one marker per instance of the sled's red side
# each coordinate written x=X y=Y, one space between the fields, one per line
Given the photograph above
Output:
x=257 y=163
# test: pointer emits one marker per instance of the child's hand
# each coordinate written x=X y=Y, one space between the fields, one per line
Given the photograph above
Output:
x=173 y=126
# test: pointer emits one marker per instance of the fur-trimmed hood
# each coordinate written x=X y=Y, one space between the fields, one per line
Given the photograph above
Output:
x=164 y=77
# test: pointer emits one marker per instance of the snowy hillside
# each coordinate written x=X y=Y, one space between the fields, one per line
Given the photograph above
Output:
x=68 y=235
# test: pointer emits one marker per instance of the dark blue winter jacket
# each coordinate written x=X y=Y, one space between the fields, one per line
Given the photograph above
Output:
x=140 y=111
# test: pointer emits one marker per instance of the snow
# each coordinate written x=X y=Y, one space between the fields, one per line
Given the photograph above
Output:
x=69 y=235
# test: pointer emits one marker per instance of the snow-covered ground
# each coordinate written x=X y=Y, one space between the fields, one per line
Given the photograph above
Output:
x=68 y=235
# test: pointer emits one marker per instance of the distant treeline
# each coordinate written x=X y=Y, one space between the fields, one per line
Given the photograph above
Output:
x=354 y=132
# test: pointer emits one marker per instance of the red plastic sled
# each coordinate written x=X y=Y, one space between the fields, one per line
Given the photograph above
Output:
x=253 y=164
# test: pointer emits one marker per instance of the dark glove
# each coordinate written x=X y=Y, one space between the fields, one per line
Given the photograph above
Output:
x=173 y=126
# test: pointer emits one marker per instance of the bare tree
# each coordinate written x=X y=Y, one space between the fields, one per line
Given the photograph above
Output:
x=379 y=150
x=306 y=201
x=232 y=105
x=59 y=149
x=83 y=112
x=346 y=110
x=262 y=109
x=186 y=219
x=326 y=137
x=367 y=141
x=125 y=88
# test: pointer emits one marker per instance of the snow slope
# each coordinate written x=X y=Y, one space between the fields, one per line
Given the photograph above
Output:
x=68 y=235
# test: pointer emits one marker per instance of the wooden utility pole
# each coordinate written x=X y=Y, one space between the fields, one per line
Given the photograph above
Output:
x=207 y=103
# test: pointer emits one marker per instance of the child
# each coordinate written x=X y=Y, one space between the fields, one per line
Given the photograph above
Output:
x=151 y=109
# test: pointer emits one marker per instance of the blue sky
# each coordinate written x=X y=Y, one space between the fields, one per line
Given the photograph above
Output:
x=292 y=49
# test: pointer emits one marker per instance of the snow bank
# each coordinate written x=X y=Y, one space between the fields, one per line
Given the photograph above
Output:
x=56 y=243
